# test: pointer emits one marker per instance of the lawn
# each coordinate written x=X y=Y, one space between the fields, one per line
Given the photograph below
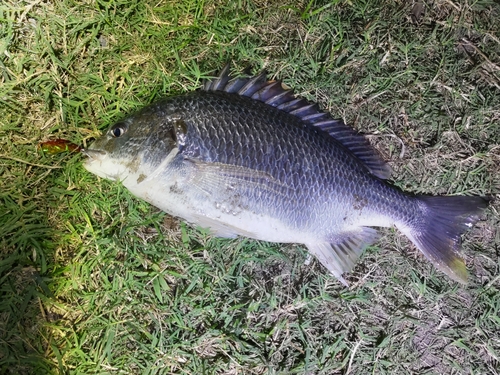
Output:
x=95 y=281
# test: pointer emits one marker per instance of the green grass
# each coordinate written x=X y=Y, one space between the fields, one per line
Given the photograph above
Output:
x=94 y=281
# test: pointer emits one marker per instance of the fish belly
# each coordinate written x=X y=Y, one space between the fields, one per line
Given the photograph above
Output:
x=220 y=214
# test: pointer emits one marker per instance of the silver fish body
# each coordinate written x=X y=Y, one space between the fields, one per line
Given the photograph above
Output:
x=246 y=157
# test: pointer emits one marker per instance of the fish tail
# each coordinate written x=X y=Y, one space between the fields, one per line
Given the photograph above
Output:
x=437 y=232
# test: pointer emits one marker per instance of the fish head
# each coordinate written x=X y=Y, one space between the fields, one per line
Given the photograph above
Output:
x=133 y=147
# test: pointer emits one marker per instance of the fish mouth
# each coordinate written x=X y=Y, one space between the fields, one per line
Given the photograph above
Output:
x=98 y=162
x=93 y=154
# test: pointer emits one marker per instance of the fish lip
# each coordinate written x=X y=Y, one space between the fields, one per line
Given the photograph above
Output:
x=94 y=154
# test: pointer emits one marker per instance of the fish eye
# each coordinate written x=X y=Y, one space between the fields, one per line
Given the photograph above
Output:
x=118 y=130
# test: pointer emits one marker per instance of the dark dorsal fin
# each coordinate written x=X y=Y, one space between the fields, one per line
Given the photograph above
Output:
x=274 y=94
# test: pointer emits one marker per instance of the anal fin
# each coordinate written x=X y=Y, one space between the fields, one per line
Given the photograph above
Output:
x=341 y=256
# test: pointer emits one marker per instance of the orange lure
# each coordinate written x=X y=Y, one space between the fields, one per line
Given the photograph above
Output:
x=57 y=146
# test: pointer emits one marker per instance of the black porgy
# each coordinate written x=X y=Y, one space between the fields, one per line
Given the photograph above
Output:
x=245 y=157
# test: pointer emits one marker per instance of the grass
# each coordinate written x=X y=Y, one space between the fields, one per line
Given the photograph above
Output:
x=94 y=281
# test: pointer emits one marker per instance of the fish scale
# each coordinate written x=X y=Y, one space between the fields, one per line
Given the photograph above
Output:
x=244 y=156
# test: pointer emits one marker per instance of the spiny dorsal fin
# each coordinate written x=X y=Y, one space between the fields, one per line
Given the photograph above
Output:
x=274 y=94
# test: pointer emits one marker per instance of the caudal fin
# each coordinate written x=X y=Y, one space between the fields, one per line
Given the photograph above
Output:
x=437 y=233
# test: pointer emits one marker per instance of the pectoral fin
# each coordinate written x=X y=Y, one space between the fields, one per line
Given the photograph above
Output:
x=213 y=177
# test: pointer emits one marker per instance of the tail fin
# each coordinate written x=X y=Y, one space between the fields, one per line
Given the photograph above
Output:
x=437 y=233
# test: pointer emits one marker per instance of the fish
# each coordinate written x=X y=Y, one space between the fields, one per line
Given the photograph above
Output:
x=245 y=156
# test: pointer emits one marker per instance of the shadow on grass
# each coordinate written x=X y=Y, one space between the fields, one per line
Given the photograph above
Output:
x=25 y=245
